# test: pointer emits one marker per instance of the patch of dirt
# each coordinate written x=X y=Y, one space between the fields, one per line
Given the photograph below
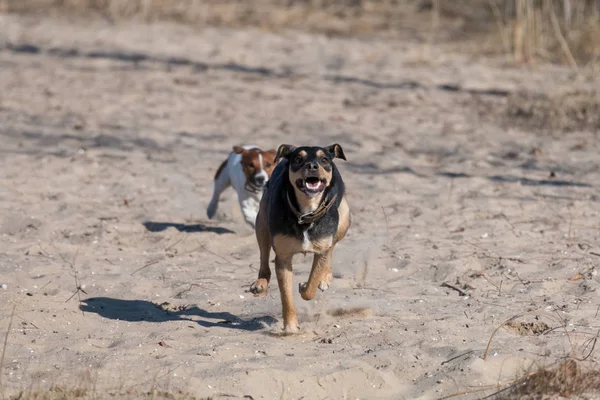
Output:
x=570 y=111
x=527 y=328
x=355 y=312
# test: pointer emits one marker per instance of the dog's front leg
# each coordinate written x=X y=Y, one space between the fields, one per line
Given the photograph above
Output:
x=320 y=275
x=260 y=286
x=283 y=269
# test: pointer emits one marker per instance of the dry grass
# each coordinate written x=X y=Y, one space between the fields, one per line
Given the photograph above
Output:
x=568 y=379
x=566 y=31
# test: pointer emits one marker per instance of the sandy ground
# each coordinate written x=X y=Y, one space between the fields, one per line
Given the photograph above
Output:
x=110 y=136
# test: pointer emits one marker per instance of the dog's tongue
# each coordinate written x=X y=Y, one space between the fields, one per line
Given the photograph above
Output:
x=313 y=185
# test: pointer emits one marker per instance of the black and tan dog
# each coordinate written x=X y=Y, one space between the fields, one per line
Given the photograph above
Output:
x=303 y=210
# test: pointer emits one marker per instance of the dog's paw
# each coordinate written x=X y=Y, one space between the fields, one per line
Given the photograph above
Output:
x=211 y=210
x=303 y=289
x=259 y=287
x=290 y=329
x=324 y=284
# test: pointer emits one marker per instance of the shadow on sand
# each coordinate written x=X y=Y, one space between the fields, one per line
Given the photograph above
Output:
x=191 y=228
x=142 y=310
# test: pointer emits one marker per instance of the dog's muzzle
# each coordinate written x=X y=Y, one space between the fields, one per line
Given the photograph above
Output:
x=256 y=184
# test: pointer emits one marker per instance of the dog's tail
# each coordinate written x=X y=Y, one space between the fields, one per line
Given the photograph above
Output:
x=221 y=168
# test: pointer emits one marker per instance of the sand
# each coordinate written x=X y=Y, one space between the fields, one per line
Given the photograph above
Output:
x=463 y=215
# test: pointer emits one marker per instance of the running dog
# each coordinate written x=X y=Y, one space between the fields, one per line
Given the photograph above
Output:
x=303 y=210
x=247 y=170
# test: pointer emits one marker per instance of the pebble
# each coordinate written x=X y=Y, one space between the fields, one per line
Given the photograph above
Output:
x=4 y=286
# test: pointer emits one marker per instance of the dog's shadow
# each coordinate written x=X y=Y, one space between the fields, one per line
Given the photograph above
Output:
x=191 y=228
x=142 y=310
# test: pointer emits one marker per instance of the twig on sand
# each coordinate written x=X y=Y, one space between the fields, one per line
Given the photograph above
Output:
x=78 y=288
x=459 y=290
x=594 y=340
x=477 y=247
x=386 y=219
x=203 y=247
x=458 y=356
x=12 y=315
x=182 y=238
x=145 y=266
x=349 y=342
x=464 y=393
x=512 y=227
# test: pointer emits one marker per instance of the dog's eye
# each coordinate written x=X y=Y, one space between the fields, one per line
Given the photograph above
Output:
x=324 y=160
x=268 y=165
x=298 y=160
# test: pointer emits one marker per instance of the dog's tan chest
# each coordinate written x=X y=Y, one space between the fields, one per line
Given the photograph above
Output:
x=292 y=245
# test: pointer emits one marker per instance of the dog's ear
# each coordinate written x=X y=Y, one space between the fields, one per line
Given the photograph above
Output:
x=238 y=149
x=336 y=151
x=272 y=152
x=284 y=152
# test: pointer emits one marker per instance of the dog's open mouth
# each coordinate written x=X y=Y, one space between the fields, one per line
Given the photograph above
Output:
x=311 y=185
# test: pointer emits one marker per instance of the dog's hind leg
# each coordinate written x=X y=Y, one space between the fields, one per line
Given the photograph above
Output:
x=260 y=286
x=320 y=275
x=222 y=181
x=283 y=268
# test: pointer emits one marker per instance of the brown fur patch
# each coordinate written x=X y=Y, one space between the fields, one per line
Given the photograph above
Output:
x=322 y=245
x=269 y=161
x=320 y=272
x=251 y=162
x=286 y=245
x=344 y=219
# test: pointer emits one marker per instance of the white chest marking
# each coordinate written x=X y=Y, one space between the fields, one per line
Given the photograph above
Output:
x=306 y=243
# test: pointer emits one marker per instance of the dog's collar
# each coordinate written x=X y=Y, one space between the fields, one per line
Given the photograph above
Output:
x=315 y=215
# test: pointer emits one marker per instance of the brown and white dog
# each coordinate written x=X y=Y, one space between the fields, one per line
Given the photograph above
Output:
x=247 y=170
x=303 y=210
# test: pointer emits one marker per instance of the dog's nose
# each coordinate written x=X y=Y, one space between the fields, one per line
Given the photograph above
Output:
x=312 y=166
x=260 y=180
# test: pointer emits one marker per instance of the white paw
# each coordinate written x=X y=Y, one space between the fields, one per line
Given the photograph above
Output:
x=323 y=286
x=291 y=328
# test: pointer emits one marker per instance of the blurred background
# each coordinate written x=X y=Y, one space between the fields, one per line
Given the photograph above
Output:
x=559 y=31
